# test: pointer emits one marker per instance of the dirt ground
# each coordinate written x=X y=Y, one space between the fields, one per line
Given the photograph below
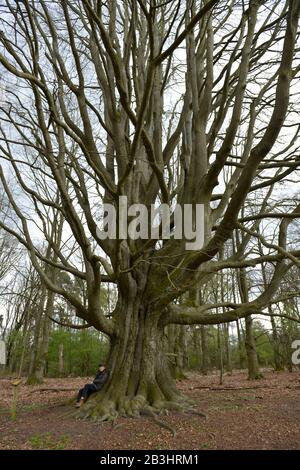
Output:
x=263 y=414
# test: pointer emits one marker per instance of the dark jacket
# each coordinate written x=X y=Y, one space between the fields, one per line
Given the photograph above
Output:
x=100 y=379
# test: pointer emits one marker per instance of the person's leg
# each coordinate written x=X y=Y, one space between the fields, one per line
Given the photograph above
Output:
x=79 y=395
x=90 y=388
x=84 y=393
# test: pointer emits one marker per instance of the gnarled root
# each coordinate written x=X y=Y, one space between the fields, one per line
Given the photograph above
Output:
x=195 y=412
x=109 y=410
x=150 y=411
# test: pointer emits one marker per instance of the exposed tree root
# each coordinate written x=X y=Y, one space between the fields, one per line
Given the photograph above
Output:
x=224 y=389
x=110 y=410
x=149 y=411
x=67 y=414
x=254 y=387
x=116 y=425
x=195 y=412
x=39 y=390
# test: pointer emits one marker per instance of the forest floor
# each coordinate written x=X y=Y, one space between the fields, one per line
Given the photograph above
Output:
x=241 y=414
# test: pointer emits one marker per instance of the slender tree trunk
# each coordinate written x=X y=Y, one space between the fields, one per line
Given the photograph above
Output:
x=204 y=351
x=41 y=341
x=286 y=341
x=180 y=351
x=171 y=332
x=225 y=328
x=276 y=346
x=197 y=346
x=44 y=345
x=253 y=367
x=278 y=364
x=61 y=360
x=240 y=346
x=220 y=351
x=26 y=331
x=34 y=376
x=250 y=346
x=228 y=364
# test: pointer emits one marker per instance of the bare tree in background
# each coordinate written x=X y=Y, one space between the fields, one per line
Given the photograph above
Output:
x=155 y=101
x=9 y=253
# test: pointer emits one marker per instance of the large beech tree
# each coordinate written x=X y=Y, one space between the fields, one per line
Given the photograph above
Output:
x=162 y=102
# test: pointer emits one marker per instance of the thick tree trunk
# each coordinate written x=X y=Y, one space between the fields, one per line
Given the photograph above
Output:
x=140 y=378
x=253 y=367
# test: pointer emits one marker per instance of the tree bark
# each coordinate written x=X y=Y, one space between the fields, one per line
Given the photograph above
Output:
x=228 y=364
x=253 y=367
x=220 y=352
x=140 y=375
x=278 y=363
x=196 y=342
x=204 y=355
x=125 y=53
x=177 y=350
x=44 y=345
x=34 y=374
x=61 y=360
x=250 y=346
x=240 y=346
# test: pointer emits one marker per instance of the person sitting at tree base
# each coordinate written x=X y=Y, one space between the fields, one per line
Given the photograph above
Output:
x=88 y=389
